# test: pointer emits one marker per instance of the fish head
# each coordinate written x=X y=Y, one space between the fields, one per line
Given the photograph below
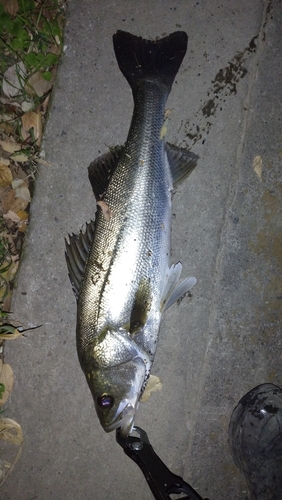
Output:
x=116 y=391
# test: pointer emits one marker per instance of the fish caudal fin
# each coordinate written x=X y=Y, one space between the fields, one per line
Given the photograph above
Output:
x=173 y=291
x=158 y=61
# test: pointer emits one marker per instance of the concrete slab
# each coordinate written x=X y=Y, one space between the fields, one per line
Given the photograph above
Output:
x=214 y=346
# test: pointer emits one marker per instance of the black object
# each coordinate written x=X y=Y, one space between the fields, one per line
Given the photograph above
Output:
x=160 y=479
x=255 y=438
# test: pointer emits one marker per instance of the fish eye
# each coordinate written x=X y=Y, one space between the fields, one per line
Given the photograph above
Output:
x=105 y=401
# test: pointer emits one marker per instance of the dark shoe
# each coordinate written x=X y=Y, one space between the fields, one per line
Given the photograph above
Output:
x=255 y=438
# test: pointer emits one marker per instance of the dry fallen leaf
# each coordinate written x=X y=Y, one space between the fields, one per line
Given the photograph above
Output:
x=11 y=431
x=38 y=85
x=20 y=157
x=22 y=227
x=5 y=175
x=7 y=127
x=13 y=79
x=107 y=213
x=4 y=161
x=20 y=218
x=27 y=106
x=21 y=189
x=17 y=171
x=10 y=6
x=10 y=147
x=163 y=131
x=9 y=335
x=22 y=215
x=257 y=165
x=7 y=379
x=7 y=276
x=8 y=236
x=32 y=120
x=45 y=103
x=11 y=202
x=10 y=215
x=43 y=162
x=154 y=384
x=7 y=467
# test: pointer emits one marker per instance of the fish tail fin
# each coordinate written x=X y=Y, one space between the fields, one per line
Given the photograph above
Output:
x=143 y=60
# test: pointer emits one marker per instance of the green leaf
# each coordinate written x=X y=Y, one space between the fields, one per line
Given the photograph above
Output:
x=31 y=59
x=7 y=329
x=41 y=58
x=23 y=35
x=6 y=23
x=2 y=390
x=16 y=27
x=25 y=152
x=50 y=59
x=47 y=75
x=26 y=5
x=5 y=268
x=42 y=47
x=57 y=31
x=47 y=29
x=17 y=44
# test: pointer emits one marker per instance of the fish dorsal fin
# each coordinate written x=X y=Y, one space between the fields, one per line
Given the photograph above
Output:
x=101 y=170
x=181 y=161
x=77 y=249
x=171 y=290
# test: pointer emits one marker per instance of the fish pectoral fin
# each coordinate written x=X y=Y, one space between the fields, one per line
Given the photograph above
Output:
x=181 y=161
x=100 y=171
x=179 y=291
x=172 y=291
x=77 y=249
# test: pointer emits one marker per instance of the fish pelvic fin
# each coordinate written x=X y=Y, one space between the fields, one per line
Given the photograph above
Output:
x=77 y=250
x=149 y=60
x=100 y=171
x=181 y=162
x=172 y=291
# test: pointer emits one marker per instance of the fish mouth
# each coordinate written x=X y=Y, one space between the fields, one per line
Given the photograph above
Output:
x=123 y=420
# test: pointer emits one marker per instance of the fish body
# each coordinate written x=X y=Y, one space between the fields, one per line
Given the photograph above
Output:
x=119 y=267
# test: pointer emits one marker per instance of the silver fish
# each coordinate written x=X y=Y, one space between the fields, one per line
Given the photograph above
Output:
x=119 y=267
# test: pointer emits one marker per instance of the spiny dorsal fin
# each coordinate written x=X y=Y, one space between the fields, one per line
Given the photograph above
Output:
x=101 y=170
x=181 y=161
x=76 y=253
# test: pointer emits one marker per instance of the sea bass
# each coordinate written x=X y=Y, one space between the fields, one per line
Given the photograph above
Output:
x=119 y=267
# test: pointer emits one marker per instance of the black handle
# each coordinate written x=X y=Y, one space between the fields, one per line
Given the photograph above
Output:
x=160 y=479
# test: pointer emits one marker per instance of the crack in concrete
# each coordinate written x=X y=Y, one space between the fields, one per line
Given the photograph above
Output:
x=232 y=195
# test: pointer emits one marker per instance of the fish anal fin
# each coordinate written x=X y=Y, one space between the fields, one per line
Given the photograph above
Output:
x=100 y=171
x=77 y=249
x=181 y=161
x=172 y=291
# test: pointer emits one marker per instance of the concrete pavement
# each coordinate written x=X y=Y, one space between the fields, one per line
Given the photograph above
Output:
x=214 y=346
